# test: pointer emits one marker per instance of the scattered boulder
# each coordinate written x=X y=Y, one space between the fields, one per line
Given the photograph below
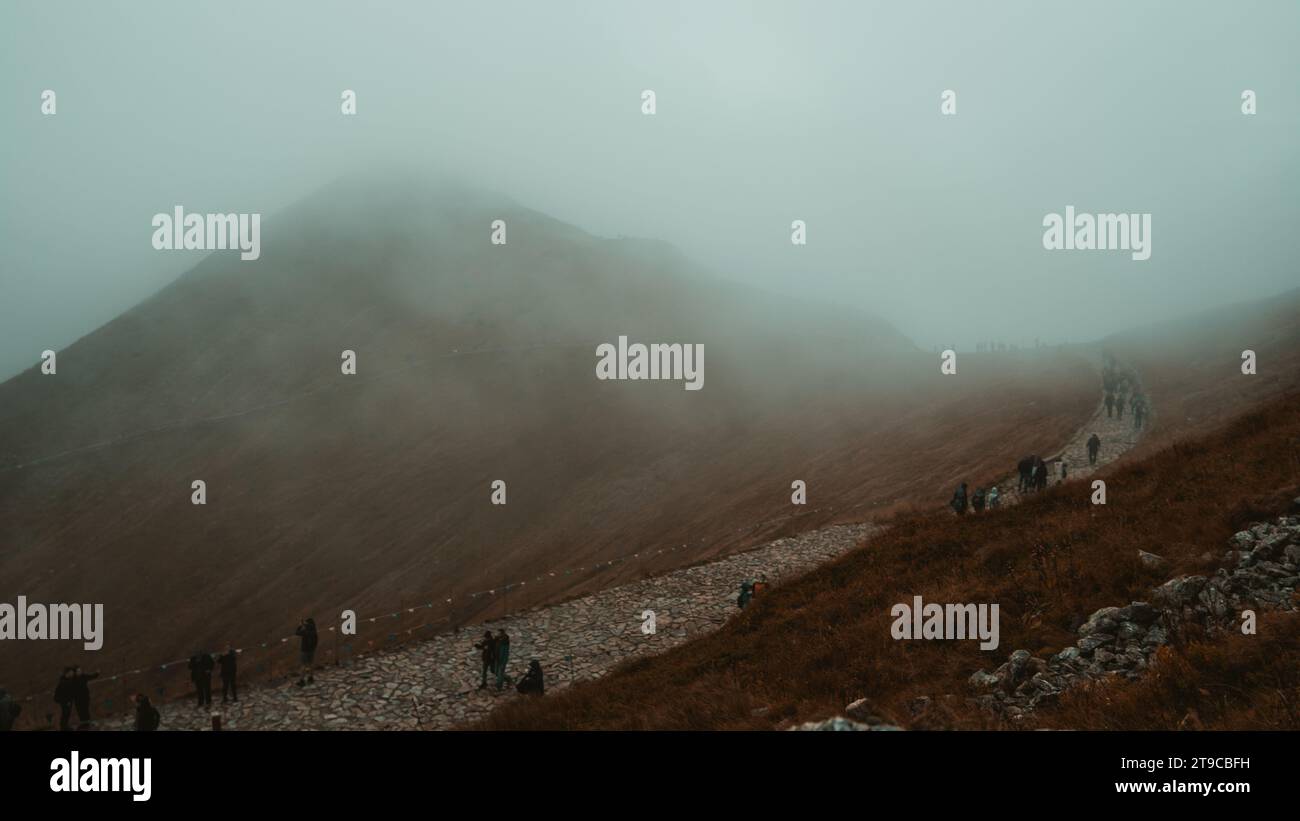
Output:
x=1153 y=561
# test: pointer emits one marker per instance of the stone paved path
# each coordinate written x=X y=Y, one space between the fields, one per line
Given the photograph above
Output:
x=434 y=683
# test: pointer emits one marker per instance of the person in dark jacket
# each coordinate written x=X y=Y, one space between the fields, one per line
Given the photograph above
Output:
x=81 y=695
x=9 y=710
x=1094 y=447
x=532 y=683
x=201 y=674
x=488 y=648
x=307 y=649
x=147 y=717
x=228 y=663
x=65 y=695
x=502 y=657
x=958 y=502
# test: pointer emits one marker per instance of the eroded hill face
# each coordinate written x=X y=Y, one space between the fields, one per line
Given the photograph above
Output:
x=475 y=363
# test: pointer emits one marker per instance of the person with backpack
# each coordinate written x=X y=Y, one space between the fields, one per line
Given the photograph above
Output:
x=532 y=684
x=201 y=674
x=1040 y=476
x=993 y=499
x=502 y=657
x=147 y=717
x=977 y=500
x=306 y=649
x=760 y=585
x=9 y=710
x=958 y=502
x=1094 y=447
x=488 y=648
x=81 y=695
x=65 y=695
x=229 y=664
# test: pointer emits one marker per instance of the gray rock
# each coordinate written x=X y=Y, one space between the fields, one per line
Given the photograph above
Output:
x=1102 y=621
x=1152 y=561
x=1089 y=643
x=1179 y=592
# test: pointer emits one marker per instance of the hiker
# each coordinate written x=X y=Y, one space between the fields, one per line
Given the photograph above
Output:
x=229 y=665
x=9 y=710
x=502 y=657
x=1110 y=405
x=64 y=696
x=81 y=695
x=307 y=649
x=746 y=593
x=488 y=646
x=147 y=717
x=1040 y=475
x=993 y=498
x=1139 y=410
x=977 y=500
x=531 y=684
x=201 y=674
x=759 y=586
x=1094 y=445
x=958 y=502
x=1064 y=470
x=1026 y=469
x=1119 y=407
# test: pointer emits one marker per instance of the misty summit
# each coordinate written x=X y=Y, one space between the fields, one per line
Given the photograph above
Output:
x=653 y=361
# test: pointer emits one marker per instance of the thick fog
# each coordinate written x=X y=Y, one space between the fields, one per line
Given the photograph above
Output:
x=766 y=113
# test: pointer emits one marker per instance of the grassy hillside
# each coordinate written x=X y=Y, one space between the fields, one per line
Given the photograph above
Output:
x=810 y=647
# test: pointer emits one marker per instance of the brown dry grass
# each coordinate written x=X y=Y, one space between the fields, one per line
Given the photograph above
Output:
x=814 y=644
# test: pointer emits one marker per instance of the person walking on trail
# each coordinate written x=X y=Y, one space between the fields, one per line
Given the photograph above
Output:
x=993 y=499
x=760 y=585
x=958 y=502
x=306 y=649
x=532 y=684
x=201 y=674
x=1094 y=447
x=977 y=500
x=65 y=695
x=1065 y=470
x=229 y=667
x=147 y=717
x=1110 y=405
x=81 y=695
x=488 y=650
x=9 y=710
x=746 y=593
x=1119 y=407
x=1040 y=475
x=502 y=657
x=1139 y=411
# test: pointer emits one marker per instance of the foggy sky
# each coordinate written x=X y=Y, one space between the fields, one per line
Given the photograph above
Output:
x=767 y=112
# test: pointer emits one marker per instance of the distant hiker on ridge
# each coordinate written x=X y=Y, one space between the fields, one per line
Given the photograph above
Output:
x=307 y=649
x=993 y=497
x=531 y=684
x=760 y=585
x=147 y=717
x=1094 y=446
x=746 y=593
x=502 y=657
x=81 y=695
x=64 y=696
x=1110 y=405
x=489 y=655
x=1119 y=407
x=958 y=502
x=977 y=500
x=201 y=674
x=228 y=663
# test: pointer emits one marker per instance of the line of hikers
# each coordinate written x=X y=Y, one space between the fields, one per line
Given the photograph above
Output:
x=1118 y=383
x=979 y=501
x=495 y=653
x=1137 y=404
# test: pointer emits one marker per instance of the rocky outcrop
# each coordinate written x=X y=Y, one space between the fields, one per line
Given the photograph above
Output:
x=1122 y=641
